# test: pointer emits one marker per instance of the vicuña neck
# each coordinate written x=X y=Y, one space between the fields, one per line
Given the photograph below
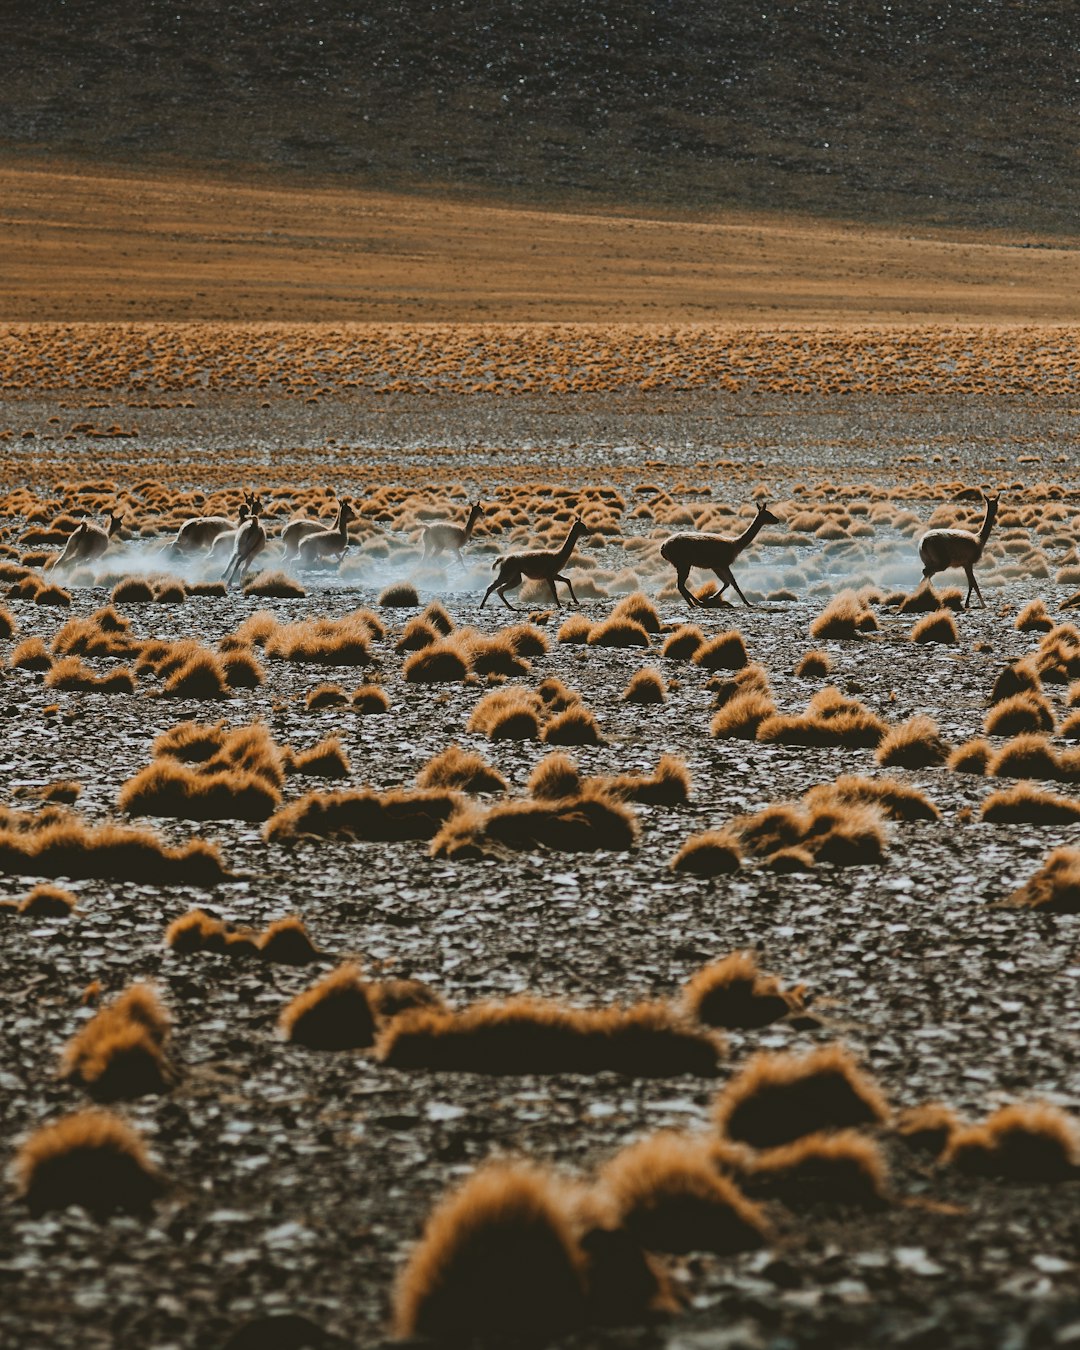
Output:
x=568 y=545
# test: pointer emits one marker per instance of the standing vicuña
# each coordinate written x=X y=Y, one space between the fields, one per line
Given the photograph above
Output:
x=87 y=541
x=714 y=553
x=250 y=542
x=539 y=565
x=441 y=534
x=329 y=543
x=942 y=549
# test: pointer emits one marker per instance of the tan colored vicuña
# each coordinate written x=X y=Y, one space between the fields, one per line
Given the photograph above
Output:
x=441 y=534
x=87 y=541
x=538 y=565
x=329 y=543
x=942 y=549
x=714 y=553
x=199 y=533
x=250 y=542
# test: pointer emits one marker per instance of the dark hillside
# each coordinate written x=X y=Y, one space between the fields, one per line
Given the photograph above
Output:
x=952 y=112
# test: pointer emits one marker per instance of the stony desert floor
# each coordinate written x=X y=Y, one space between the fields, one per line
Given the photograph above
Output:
x=298 y=1179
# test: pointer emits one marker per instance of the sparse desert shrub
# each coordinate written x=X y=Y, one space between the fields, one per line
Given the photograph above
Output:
x=778 y=1098
x=1027 y=805
x=201 y=677
x=1030 y=1141
x=742 y=716
x=92 y=1159
x=556 y=775
x=52 y=595
x=836 y=1169
x=555 y=696
x=734 y=993
x=914 y=744
x=937 y=627
x=532 y=1036
x=72 y=674
x=709 y=854
x=971 y=757
x=1019 y=714
x=498 y=1259
x=334 y=1014
x=441 y=662
x=667 y=1193
x=370 y=700
x=525 y=639
x=831 y=718
x=400 y=596
x=844 y=617
x=668 y=784
x=196 y=931
x=436 y=615
x=726 y=651
x=31 y=654
x=572 y=726
x=1033 y=618
x=1029 y=756
x=645 y=686
x=168 y=787
x=48 y=902
x=278 y=585
x=242 y=670
x=814 y=665
x=615 y=631
x=580 y=824
x=496 y=656
x=460 y=769
x=120 y=1052
x=286 y=942
x=1055 y=887
x=416 y=635
x=171 y=591
x=397 y=814
x=683 y=643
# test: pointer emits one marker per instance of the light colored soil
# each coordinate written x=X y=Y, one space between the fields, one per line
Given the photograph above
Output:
x=96 y=244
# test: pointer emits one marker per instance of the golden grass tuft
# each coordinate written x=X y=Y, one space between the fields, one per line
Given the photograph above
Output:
x=8 y=623
x=73 y=675
x=325 y=696
x=1018 y=714
x=709 y=854
x=133 y=591
x=742 y=715
x=615 y=631
x=1027 y=1142
x=898 y=801
x=498 y=1260
x=335 y=1014
x=914 y=744
x=532 y=1036
x=66 y=847
x=390 y=997
x=683 y=643
x=120 y=1053
x=1027 y=805
x=327 y=759
x=573 y=726
x=1033 y=618
x=555 y=776
x=971 y=757
x=370 y=700
x=511 y=714
x=275 y=585
x=242 y=669
x=1032 y=756
x=325 y=642
x=668 y=785
x=442 y=662
x=287 y=942
x=586 y=823
x=48 y=902
x=778 y=1098
x=393 y=815
x=196 y=931
x=416 y=635
x=400 y=596
x=814 y=665
x=1019 y=677
x=168 y=787
x=726 y=651
x=202 y=676
x=639 y=609
x=734 y=993
x=844 y=617
x=927 y=1128
x=31 y=654
x=667 y=1193
x=460 y=769
x=92 y=1159
x=435 y=614
x=844 y=1168
x=645 y=686
x=525 y=639
x=937 y=627
x=831 y=719
x=1055 y=887
x=576 y=629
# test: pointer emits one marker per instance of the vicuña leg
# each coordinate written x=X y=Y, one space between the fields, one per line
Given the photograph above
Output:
x=570 y=588
x=973 y=585
x=725 y=576
x=681 y=573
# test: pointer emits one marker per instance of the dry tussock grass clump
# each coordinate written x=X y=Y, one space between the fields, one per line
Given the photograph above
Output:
x=814 y=665
x=844 y=1168
x=666 y=1191
x=898 y=801
x=573 y=726
x=778 y=1098
x=639 y=609
x=70 y=674
x=169 y=788
x=31 y=654
x=533 y=1036
x=1019 y=714
x=335 y=1014
x=324 y=642
x=927 y=1128
x=726 y=651
x=734 y=993
x=615 y=631
x=196 y=931
x=498 y=1260
x=52 y=595
x=683 y=643
x=133 y=591
x=65 y=847
x=399 y=596
x=587 y=823
x=1027 y=1142
x=435 y=614
x=200 y=676
x=1033 y=618
x=937 y=627
x=741 y=717
x=1055 y=887
x=511 y=714
x=577 y=629
x=8 y=623
x=525 y=639
x=1033 y=756
x=287 y=942
x=462 y=770
x=370 y=700
x=709 y=854
x=831 y=719
x=47 y=902
x=242 y=670
x=669 y=784
x=121 y=1052
x=914 y=744
x=327 y=759
x=556 y=696
x=325 y=696
x=844 y=617
x=1019 y=677
x=555 y=776
x=441 y=662
x=395 y=815
x=1026 y=805
x=92 y=1159
x=971 y=757
x=276 y=585
x=927 y=601
x=645 y=686
x=416 y=635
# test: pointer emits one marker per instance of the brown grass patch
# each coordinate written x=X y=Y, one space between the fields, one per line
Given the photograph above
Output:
x=914 y=744
x=1055 y=887
x=726 y=651
x=399 y=596
x=441 y=662
x=278 y=585
x=971 y=757
x=1021 y=713
x=326 y=696
x=741 y=717
x=65 y=847
x=196 y=931
x=587 y=823
x=898 y=801
x=734 y=993
x=1019 y=677
x=615 y=632
x=927 y=1128
x=576 y=629
x=639 y=609
x=834 y=1169
x=668 y=785
x=73 y=675
x=778 y=1098
x=370 y=700
x=683 y=643
x=1027 y=1142
x=572 y=726
x=462 y=770
x=324 y=642
x=92 y=1159
x=1026 y=805
x=31 y=654
x=1033 y=618
x=831 y=719
x=133 y=591
x=937 y=627
x=814 y=665
x=334 y=1014
x=511 y=714
x=121 y=1052
x=844 y=617
x=287 y=942
x=170 y=788
x=555 y=776
x=327 y=759
x=394 y=815
x=645 y=686
x=710 y=854
x=47 y=902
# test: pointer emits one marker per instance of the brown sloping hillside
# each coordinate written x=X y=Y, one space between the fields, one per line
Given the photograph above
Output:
x=942 y=112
